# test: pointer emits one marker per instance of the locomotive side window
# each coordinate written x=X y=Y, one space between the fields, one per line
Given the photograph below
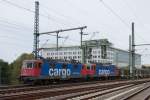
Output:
x=29 y=65
x=88 y=66
x=35 y=65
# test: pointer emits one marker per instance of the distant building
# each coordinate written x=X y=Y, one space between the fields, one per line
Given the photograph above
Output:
x=100 y=51
x=146 y=66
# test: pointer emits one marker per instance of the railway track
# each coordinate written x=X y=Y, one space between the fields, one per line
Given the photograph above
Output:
x=94 y=94
x=140 y=94
x=53 y=92
x=22 y=88
x=13 y=86
x=129 y=92
x=67 y=91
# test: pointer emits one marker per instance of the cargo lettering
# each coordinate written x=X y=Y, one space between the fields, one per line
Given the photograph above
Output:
x=59 y=72
x=104 y=72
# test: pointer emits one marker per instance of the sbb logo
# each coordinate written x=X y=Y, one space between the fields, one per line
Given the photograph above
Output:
x=59 y=72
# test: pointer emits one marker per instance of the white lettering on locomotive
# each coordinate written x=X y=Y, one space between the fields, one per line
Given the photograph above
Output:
x=104 y=72
x=59 y=72
x=51 y=72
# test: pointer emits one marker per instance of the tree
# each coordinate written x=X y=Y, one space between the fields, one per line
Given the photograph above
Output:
x=16 y=67
x=4 y=72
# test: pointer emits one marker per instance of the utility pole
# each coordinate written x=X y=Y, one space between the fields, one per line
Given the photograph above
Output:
x=57 y=37
x=36 y=31
x=57 y=40
x=133 y=51
x=82 y=47
x=130 y=66
x=81 y=33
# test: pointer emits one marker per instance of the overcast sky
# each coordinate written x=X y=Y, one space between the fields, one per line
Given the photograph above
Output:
x=111 y=18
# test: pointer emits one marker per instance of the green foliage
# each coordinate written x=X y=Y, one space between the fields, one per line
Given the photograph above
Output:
x=4 y=72
x=16 y=66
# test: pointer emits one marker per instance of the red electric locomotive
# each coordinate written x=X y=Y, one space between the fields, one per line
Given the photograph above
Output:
x=30 y=69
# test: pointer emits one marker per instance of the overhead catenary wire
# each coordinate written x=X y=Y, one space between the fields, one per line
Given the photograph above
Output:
x=31 y=11
x=60 y=16
x=111 y=10
x=134 y=14
x=16 y=44
x=16 y=38
x=13 y=27
x=58 y=19
x=77 y=7
x=119 y=17
x=18 y=6
x=15 y=24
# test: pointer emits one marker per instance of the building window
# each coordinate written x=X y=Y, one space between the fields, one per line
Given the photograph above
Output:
x=47 y=54
x=55 y=53
x=74 y=57
x=65 y=53
x=70 y=53
x=74 y=53
x=79 y=52
x=70 y=57
x=79 y=56
x=60 y=53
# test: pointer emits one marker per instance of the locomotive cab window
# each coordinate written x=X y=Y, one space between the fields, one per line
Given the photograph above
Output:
x=29 y=65
x=35 y=65
x=88 y=66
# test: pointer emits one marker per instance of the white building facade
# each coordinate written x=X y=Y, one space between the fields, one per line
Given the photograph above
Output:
x=114 y=56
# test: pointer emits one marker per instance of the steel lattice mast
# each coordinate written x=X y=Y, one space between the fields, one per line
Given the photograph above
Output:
x=36 y=31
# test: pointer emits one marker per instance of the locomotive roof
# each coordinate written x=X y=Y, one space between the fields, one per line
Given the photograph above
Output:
x=32 y=60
